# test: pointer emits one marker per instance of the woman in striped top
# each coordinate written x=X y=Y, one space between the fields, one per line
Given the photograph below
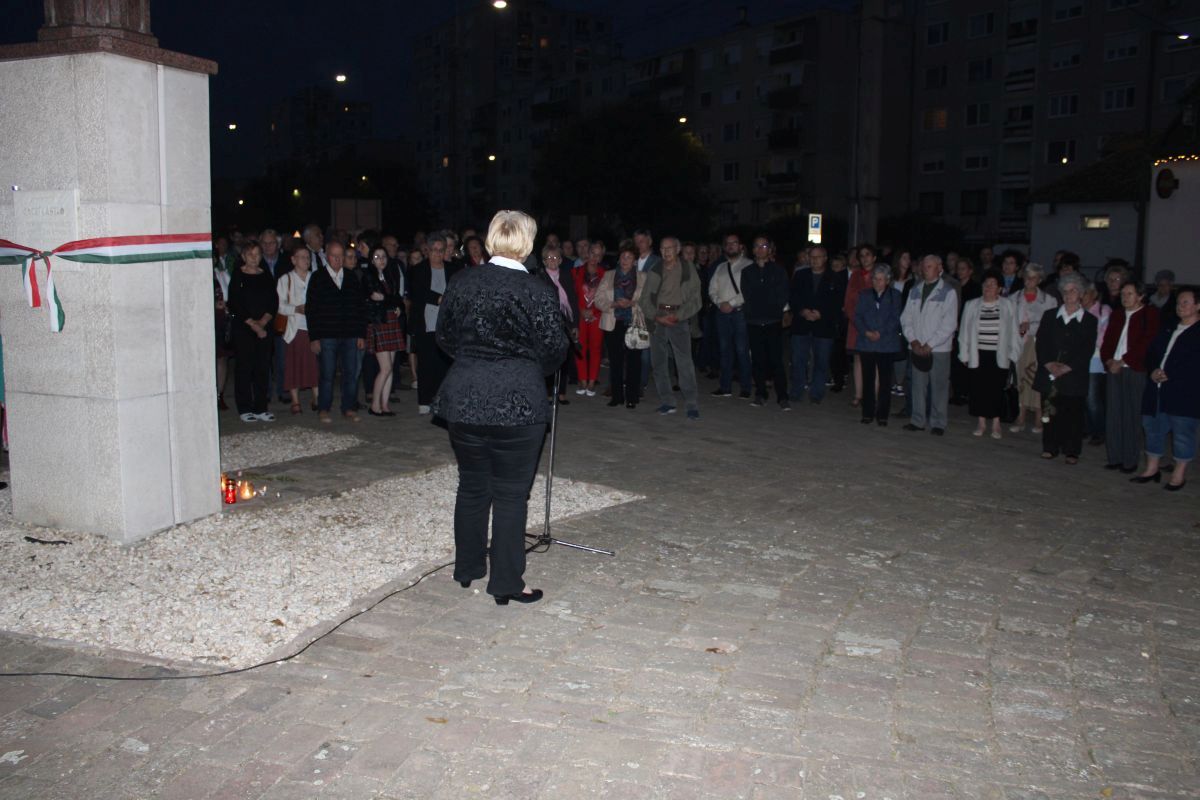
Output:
x=986 y=343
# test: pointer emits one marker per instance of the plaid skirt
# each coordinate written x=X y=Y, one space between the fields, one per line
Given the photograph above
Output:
x=386 y=337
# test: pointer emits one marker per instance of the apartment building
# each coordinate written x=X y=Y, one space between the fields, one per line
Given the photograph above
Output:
x=1012 y=95
x=491 y=83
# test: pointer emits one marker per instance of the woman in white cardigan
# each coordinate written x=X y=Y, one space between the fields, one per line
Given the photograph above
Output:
x=987 y=334
x=617 y=298
x=299 y=364
x=1029 y=305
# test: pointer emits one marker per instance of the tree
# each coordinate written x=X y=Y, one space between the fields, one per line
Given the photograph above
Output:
x=625 y=166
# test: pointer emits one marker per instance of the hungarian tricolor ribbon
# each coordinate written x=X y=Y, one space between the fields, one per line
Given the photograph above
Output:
x=108 y=250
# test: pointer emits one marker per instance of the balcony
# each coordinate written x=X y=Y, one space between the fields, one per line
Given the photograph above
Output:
x=1016 y=178
x=788 y=97
x=786 y=54
x=1021 y=80
x=1017 y=131
x=1014 y=226
x=783 y=139
x=780 y=182
x=549 y=109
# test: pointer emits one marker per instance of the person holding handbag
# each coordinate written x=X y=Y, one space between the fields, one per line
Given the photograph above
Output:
x=617 y=298
x=1131 y=329
x=986 y=336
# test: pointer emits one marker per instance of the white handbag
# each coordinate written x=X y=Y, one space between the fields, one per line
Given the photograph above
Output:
x=637 y=337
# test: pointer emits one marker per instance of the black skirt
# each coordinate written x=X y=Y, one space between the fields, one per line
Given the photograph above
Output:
x=986 y=387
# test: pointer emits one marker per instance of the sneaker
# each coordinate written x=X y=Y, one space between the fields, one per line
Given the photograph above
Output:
x=938 y=431
x=266 y=416
x=581 y=391
x=422 y=410
x=693 y=413
x=248 y=417
x=786 y=405
x=758 y=402
x=590 y=392
x=722 y=393
x=665 y=409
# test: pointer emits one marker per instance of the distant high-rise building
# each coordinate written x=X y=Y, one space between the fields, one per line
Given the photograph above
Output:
x=1013 y=95
x=490 y=83
x=313 y=125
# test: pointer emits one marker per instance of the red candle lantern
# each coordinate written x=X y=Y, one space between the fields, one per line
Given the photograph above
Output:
x=228 y=490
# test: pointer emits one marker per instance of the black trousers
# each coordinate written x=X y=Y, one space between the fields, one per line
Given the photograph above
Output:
x=1064 y=432
x=432 y=366
x=766 y=356
x=496 y=468
x=624 y=365
x=877 y=400
x=839 y=361
x=252 y=369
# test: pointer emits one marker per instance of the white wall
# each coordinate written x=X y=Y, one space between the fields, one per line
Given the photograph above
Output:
x=1059 y=226
x=1173 y=227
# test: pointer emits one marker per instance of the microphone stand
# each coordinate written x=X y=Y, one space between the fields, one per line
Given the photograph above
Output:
x=545 y=539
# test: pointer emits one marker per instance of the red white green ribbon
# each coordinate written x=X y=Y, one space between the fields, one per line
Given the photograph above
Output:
x=108 y=250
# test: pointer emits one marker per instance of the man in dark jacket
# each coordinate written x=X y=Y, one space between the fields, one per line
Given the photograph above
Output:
x=816 y=303
x=336 y=310
x=765 y=288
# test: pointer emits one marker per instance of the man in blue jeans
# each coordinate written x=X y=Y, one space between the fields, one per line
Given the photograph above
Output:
x=726 y=291
x=815 y=300
x=336 y=310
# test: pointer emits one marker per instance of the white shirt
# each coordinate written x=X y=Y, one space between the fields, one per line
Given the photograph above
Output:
x=337 y=276
x=1123 y=342
x=1069 y=318
x=642 y=262
x=508 y=263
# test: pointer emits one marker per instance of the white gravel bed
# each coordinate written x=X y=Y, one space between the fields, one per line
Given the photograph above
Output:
x=271 y=445
x=231 y=589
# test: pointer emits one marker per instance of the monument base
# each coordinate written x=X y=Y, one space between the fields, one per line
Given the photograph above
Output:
x=113 y=421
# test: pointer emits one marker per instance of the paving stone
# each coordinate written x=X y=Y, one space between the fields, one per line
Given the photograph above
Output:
x=763 y=633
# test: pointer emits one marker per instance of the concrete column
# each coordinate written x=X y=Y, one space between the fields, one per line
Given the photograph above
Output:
x=112 y=422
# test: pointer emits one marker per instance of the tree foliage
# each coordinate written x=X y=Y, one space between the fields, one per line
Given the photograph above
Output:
x=625 y=166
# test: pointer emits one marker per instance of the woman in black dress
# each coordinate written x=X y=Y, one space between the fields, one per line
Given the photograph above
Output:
x=504 y=330
x=253 y=302
x=427 y=283
x=385 y=334
x=1066 y=339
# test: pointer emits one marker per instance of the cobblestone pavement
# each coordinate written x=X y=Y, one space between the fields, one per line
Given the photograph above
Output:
x=804 y=607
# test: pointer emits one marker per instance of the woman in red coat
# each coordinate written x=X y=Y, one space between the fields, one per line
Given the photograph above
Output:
x=587 y=358
x=1131 y=329
x=860 y=280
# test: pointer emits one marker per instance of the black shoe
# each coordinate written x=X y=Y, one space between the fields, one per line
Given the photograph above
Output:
x=1171 y=487
x=758 y=402
x=675 y=387
x=375 y=413
x=881 y=423
x=562 y=401
x=911 y=427
x=1115 y=466
x=744 y=395
x=465 y=584
x=612 y=403
x=631 y=405
x=1129 y=470
x=785 y=405
x=938 y=431
x=865 y=420
x=835 y=388
x=532 y=597
x=1096 y=440
x=721 y=393
x=1156 y=478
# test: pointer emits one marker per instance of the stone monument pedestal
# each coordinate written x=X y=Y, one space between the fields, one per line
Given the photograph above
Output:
x=112 y=422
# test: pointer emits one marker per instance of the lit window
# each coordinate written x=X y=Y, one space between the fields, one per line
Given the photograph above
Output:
x=935 y=119
x=1095 y=222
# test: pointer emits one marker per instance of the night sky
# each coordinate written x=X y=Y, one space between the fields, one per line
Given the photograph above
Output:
x=268 y=49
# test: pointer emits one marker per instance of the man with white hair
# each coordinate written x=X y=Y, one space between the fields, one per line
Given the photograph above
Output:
x=314 y=240
x=670 y=298
x=929 y=320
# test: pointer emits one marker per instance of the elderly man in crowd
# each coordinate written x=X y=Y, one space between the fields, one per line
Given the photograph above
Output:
x=929 y=320
x=670 y=298
x=336 y=313
x=725 y=288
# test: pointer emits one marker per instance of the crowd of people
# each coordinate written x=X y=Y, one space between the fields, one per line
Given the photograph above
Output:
x=1105 y=361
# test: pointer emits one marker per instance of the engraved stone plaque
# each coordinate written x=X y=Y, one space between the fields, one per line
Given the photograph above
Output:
x=47 y=219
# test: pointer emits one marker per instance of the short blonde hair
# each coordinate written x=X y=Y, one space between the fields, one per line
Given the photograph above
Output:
x=511 y=234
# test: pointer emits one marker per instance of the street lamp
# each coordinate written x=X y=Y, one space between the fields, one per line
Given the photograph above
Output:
x=499 y=5
x=683 y=120
x=492 y=157
x=340 y=78
x=233 y=126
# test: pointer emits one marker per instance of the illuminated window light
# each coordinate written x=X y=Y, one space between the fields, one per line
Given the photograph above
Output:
x=1096 y=222
x=233 y=126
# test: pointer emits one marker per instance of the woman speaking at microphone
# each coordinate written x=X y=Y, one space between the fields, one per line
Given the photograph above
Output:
x=503 y=328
